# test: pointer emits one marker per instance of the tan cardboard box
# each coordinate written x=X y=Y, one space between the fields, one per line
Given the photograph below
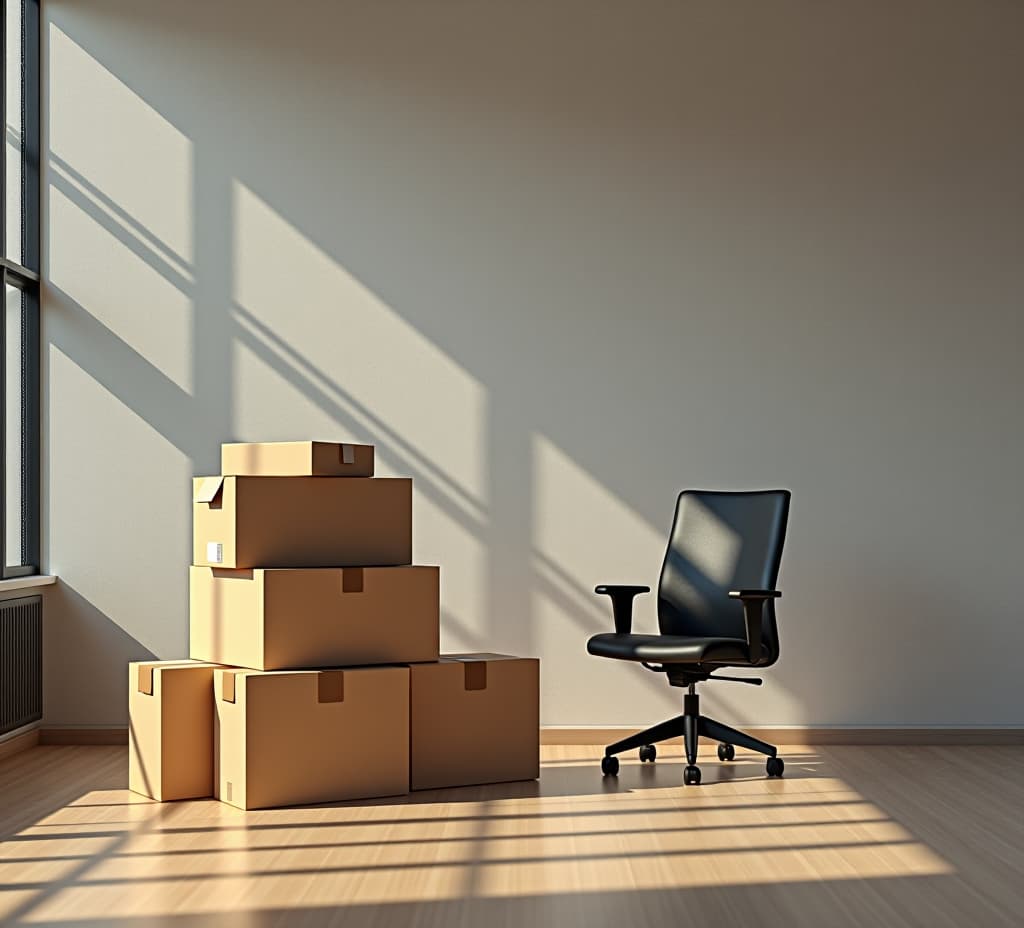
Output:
x=301 y=521
x=317 y=617
x=287 y=738
x=170 y=729
x=296 y=459
x=475 y=718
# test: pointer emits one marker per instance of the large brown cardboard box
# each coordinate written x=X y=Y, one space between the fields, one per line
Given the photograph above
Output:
x=170 y=729
x=296 y=459
x=316 y=617
x=475 y=718
x=301 y=521
x=295 y=737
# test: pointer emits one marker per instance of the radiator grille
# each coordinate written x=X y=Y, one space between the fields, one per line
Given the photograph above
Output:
x=21 y=662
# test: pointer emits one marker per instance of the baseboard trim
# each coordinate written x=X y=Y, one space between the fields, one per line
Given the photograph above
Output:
x=817 y=735
x=19 y=743
x=602 y=736
x=51 y=736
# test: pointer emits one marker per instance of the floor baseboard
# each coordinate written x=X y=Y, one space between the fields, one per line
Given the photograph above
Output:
x=19 y=743
x=552 y=734
x=51 y=736
x=817 y=735
x=602 y=736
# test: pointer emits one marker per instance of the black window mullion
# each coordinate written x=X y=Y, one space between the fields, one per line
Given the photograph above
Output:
x=30 y=431
x=31 y=391
x=31 y=107
x=3 y=116
x=3 y=275
x=24 y=275
x=3 y=403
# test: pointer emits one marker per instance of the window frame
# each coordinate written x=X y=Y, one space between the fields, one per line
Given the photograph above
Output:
x=24 y=277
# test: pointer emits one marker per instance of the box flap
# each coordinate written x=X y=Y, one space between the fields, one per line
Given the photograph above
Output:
x=146 y=672
x=232 y=573
x=146 y=679
x=207 y=489
x=330 y=686
x=482 y=656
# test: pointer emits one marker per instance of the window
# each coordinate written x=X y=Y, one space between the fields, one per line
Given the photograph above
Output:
x=19 y=264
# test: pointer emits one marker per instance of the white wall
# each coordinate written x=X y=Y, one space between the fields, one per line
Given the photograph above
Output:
x=558 y=260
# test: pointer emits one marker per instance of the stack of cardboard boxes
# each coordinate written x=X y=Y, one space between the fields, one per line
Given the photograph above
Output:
x=315 y=674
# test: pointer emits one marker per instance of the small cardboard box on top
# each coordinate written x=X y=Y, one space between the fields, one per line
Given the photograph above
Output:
x=268 y=619
x=474 y=718
x=301 y=521
x=286 y=738
x=296 y=459
x=170 y=729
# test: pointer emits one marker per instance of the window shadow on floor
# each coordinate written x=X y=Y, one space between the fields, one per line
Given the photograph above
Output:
x=906 y=901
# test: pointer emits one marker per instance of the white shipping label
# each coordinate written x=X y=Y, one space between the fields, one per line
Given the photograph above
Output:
x=215 y=552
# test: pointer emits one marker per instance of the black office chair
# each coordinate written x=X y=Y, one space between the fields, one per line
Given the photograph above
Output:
x=715 y=609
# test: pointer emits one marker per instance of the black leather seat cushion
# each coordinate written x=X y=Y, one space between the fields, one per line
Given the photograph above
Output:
x=670 y=649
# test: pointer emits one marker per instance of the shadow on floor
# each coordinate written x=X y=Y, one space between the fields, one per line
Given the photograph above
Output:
x=895 y=902
x=887 y=836
x=574 y=778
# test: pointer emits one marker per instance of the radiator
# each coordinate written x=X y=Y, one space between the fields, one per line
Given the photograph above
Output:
x=21 y=662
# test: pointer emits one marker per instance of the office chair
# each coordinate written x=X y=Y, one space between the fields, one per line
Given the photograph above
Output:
x=716 y=609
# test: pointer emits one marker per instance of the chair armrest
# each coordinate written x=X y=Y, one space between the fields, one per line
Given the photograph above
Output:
x=753 y=615
x=622 y=603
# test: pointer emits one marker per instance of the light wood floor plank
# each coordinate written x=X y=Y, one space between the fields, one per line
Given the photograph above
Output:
x=852 y=836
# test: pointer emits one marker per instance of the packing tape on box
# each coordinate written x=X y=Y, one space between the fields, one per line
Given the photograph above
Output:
x=348 y=454
x=227 y=685
x=330 y=686
x=351 y=579
x=475 y=675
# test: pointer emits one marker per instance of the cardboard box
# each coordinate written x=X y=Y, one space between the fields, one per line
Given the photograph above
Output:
x=475 y=718
x=301 y=521
x=170 y=729
x=317 y=617
x=296 y=737
x=296 y=459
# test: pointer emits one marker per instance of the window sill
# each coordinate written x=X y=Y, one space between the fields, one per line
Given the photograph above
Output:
x=25 y=583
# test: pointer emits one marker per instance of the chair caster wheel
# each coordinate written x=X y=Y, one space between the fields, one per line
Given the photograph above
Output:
x=726 y=752
x=647 y=753
x=610 y=765
x=775 y=766
x=691 y=775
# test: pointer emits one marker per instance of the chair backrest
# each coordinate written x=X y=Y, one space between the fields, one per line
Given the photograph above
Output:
x=722 y=541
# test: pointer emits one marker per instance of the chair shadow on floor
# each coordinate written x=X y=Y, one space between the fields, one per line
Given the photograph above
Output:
x=581 y=776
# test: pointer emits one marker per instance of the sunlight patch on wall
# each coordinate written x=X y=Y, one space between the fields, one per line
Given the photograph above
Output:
x=121 y=147
x=325 y=332
x=439 y=537
x=261 y=387
x=120 y=289
x=583 y=535
x=571 y=506
x=117 y=489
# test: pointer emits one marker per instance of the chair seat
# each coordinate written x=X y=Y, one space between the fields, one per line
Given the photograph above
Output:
x=670 y=649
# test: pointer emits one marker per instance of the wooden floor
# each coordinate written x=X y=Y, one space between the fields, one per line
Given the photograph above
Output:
x=852 y=836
